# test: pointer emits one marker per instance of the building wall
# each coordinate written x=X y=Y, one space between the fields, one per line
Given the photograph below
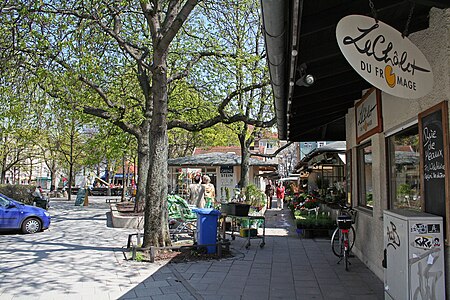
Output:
x=435 y=45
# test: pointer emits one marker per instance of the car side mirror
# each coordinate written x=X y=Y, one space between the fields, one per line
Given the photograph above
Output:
x=10 y=205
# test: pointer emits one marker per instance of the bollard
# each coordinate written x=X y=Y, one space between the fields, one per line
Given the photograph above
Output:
x=133 y=252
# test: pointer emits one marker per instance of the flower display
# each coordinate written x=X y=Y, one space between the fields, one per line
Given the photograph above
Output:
x=310 y=203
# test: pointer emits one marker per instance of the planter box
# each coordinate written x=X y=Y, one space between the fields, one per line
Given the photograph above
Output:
x=235 y=209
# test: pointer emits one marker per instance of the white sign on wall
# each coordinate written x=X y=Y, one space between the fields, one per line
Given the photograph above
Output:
x=368 y=115
x=383 y=57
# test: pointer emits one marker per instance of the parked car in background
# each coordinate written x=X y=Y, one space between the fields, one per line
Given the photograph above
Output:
x=16 y=215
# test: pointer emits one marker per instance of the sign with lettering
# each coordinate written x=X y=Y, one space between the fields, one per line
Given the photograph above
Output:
x=368 y=115
x=433 y=131
x=423 y=242
x=383 y=57
x=226 y=169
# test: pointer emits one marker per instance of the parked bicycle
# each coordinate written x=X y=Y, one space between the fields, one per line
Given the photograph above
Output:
x=343 y=237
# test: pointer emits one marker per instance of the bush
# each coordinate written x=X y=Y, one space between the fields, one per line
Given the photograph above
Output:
x=18 y=192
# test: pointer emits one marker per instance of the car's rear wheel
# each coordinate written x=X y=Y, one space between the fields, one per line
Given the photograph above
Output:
x=31 y=225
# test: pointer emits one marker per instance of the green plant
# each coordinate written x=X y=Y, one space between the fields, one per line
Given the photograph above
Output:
x=18 y=192
x=311 y=203
x=404 y=190
x=369 y=199
x=312 y=222
x=255 y=197
x=305 y=222
x=139 y=257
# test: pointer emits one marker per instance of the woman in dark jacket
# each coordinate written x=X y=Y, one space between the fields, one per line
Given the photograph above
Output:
x=269 y=193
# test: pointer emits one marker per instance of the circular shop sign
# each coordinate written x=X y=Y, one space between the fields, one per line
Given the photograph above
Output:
x=383 y=57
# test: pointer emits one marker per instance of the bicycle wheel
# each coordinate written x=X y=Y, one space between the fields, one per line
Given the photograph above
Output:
x=336 y=243
x=351 y=238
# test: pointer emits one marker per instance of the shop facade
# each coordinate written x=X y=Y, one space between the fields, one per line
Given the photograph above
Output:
x=223 y=168
x=403 y=163
x=397 y=144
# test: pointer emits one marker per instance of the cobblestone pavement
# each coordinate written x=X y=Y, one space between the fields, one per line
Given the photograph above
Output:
x=80 y=257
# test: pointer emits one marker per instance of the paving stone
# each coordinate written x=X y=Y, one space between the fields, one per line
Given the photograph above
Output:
x=286 y=268
x=166 y=297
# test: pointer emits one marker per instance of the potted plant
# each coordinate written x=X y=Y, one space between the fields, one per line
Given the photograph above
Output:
x=311 y=225
x=255 y=197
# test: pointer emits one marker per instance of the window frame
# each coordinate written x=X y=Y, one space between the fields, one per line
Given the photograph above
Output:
x=361 y=182
x=348 y=177
x=389 y=160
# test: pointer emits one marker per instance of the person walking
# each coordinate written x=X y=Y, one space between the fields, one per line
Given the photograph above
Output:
x=197 y=192
x=280 y=195
x=210 y=191
x=269 y=193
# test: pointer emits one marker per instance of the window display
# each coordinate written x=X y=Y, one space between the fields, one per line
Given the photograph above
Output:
x=365 y=196
x=404 y=176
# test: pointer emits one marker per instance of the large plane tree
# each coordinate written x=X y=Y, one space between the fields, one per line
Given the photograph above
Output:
x=115 y=59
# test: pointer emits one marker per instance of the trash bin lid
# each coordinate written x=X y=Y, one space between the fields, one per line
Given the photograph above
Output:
x=207 y=211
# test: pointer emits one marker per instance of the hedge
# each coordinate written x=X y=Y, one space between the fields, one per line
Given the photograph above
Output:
x=18 y=192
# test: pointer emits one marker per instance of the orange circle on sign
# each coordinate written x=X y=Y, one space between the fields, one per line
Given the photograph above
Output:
x=389 y=76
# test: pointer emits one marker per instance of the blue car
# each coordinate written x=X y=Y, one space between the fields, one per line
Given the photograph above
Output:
x=16 y=215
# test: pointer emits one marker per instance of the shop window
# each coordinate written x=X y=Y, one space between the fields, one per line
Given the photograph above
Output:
x=404 y=175
x=365 y=196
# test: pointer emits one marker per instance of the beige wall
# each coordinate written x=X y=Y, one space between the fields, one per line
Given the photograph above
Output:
x=435 y=44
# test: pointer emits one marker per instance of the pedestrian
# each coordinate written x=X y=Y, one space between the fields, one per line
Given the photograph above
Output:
x=280 y=194
x=38 y=193
x=197 y=192
x=210 y=191
x=269 y=193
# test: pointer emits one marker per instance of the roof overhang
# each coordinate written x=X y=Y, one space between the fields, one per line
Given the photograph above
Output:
x=307 y=29
x=218 y=159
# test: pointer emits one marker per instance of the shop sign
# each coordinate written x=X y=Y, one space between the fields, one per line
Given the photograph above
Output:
x=368 y=115
x=434 y=162
x=226 y=169
x=383 y=57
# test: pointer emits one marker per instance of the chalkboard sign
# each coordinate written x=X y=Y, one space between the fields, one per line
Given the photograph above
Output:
x=433 y=131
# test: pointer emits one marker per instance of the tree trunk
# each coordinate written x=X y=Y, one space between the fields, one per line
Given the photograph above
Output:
x=156 y=228
x=53 y=171
x=122 y=197
x=69 y=193
x=245 y=159
x=143 y=169
x=3 y=172
x=245 y=165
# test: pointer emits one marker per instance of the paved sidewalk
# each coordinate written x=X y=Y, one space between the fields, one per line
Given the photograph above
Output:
x=287 y=267
x=79 y=257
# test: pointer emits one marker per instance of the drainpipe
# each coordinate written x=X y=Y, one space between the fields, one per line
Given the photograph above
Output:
x=275 y=28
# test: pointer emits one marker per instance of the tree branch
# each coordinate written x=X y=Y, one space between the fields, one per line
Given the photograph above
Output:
x=273 y=154
x=170 y=32
x=194 y=60
x=238 y=92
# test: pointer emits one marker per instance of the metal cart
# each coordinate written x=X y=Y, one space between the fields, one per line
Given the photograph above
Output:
x=250 y=218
